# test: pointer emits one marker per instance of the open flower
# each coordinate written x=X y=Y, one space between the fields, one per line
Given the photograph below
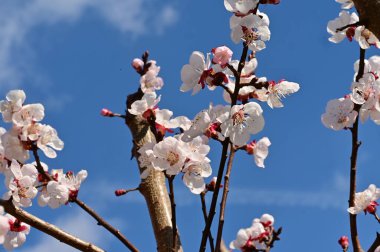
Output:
x=16 y=236
x=364 y=199
x=12 y=104
x=343 y=20
x=240 y=7
x=222 y=55
x=366 y=38
x=339 y=114
x=150 y=82
x=259 y=150
x=147 y=103
x=276 y=91
x=195 y=172
x=28 y=114
x=242 y=121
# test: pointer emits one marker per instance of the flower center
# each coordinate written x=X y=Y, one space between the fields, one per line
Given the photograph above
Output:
x=172 y=158
x=250 y=35
x=238 y=118
x=343 y=119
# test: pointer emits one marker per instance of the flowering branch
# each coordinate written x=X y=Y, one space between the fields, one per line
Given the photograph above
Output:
x=224 y=198
x=106 y=225
x=353 y=168
x=48 y=228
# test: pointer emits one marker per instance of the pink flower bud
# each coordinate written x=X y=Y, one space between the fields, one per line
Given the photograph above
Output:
x=371 y=208
x=222 y=55
x=343 y=241
x=250 y=148
x=106 y=112
x=120 y=192
x=137 y=64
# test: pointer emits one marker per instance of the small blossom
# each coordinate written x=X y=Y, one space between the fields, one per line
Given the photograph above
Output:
x=366 y=38
x=240 y=7
x=28 y=114
x=364 y=199
x=106 y=112
x=195 y=172
x=343 y=20
x=138 y=64
x=242 y=121
x=267 y=220
x=150 y=82
x=339 y=114
x=145 y=106
x=259 y=150
x=343 y=242
x=16 y=236
x=12 y=104
x=276 y=91
x=222 y=55
x=4 y=225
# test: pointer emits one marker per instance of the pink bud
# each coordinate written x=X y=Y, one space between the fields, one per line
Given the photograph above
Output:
x=343 y=241
x=250 y=148
x=106 y=112
x=222 y=55
x=371 y=208
x=137 y=64
x=120 y=192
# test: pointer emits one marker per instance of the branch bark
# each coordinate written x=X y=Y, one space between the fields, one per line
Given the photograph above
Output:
x=48 y=228
x=153 y=188
x=369 y=13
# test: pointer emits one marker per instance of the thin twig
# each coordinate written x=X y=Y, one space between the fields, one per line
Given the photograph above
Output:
x=375 y=244
x=100 y=220
x=348 y=26
x=204 y=211
x=48 y=228
x=106 y=225
x=354 y=154
x=224 y=198
x=174 y=217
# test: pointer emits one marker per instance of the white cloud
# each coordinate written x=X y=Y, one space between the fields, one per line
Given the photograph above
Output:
x=19 y=18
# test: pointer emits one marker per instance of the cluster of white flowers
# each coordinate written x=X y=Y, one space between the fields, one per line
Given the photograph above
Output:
x=340 y=113
x=256 y=236
x=22 y=179
x=348 y=25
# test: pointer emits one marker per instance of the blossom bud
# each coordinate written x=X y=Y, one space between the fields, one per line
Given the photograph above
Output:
x=120 y=192
x=343 y=241
x=106 y=112
x=212 y=185
x=138 y=64
x=250 y=148
x=222 y=55
x=371 y=208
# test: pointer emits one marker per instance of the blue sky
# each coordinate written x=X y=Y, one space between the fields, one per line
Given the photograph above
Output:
x=74 y=56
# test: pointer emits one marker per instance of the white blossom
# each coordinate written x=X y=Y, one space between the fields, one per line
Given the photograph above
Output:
x=150 y=82
x=259 y=150
x=16 y=236
x=12 y=104
x=242 y=121
x=241 y=7
x=4 y=225
x=21 y=182
x=276 y=91
x=363 y=199
x=346 y=4
x=344 y=19
x=365 y=38
x=145 y=158
x=148 y=102
x=28 y=114
x=192 y=73
x=195 y=172
x=339 y=114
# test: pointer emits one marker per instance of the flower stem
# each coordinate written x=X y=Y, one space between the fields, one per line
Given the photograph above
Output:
x=224 y=198
x=204 y=210
x=353 y=164
x=173 y=207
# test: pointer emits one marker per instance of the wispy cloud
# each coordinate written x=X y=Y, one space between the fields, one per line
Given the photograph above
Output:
x=19 y=18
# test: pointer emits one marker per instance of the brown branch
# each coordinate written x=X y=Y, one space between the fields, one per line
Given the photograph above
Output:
x=353 y=166
x=48 y=228
x=375 y=244
x=106 y=225
x=214 y=200
x=204 y=211
x=369 y=14
x=224 y=198
x=153 y=188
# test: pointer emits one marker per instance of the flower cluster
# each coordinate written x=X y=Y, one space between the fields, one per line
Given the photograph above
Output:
x=23 y=179
x=256 y=237
x=340 y=113
x=348 y=25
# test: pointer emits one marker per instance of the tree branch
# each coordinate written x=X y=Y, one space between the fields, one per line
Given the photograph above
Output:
x=48 y=228
x=354 y=154
x=106 y=225
x=369 y=13
x=204 y=211
x=224 y=199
